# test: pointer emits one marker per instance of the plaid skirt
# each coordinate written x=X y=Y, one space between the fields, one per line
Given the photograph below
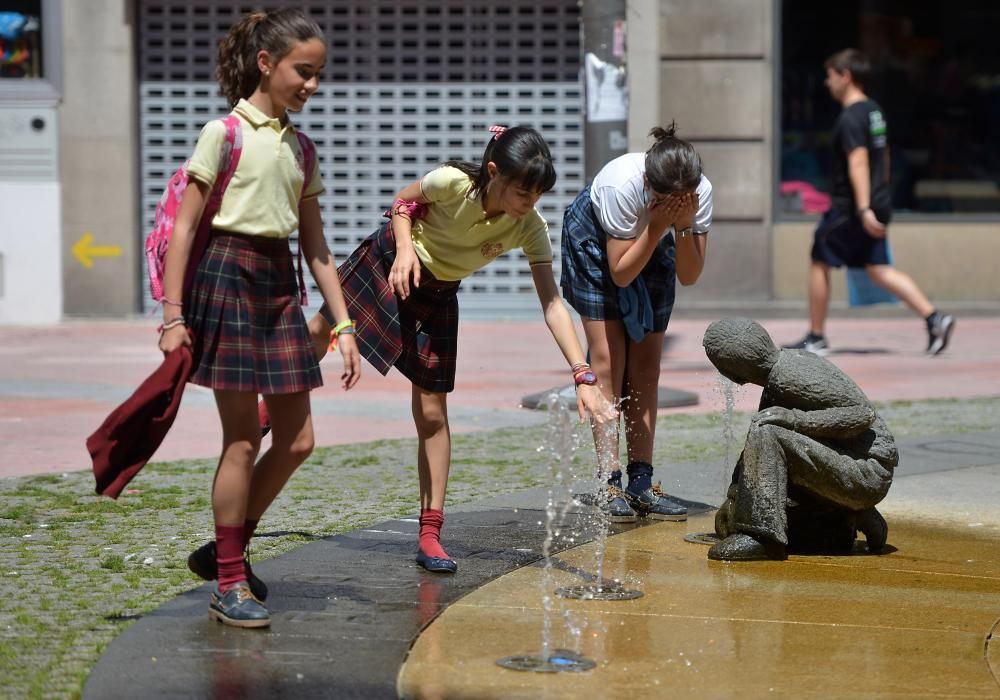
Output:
x=418 y=336
x=249 y=330
x=586 y=279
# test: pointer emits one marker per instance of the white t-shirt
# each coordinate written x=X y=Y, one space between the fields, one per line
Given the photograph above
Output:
x=619 y=197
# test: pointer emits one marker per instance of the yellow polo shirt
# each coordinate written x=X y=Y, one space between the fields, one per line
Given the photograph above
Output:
x=262 y=198
x=455 y=238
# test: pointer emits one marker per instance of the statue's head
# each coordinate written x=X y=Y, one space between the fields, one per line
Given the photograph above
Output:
x=741 y=350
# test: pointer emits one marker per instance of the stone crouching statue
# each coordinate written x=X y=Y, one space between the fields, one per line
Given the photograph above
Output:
x=817 y=457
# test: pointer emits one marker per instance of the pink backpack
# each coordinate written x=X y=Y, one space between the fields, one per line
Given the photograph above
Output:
x=166 y=210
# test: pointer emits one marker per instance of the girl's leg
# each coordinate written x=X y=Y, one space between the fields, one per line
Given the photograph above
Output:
x=430 y=415
x=292 y=441
x=230 y=489
x=639 y=407
x=319 y=334
x=606 y=342
x=233 y=603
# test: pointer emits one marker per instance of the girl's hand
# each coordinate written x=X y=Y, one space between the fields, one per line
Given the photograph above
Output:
x=406 y=265
x=348 y=347
x=686 y=206
x=173 y=338
x=677 y=210
x=589 y=399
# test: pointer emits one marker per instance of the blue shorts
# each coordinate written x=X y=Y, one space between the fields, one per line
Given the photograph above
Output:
x=840 y=240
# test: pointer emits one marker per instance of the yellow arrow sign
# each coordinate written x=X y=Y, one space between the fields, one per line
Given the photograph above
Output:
x=84 y=251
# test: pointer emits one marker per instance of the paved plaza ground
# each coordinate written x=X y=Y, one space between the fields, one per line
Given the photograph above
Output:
x=89 y=584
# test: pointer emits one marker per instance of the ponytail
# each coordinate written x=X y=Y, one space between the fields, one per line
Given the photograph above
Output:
x=521 y=156
x=672 y=164
x=276 y=32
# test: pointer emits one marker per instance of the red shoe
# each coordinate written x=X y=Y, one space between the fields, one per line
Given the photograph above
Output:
x=263 y=418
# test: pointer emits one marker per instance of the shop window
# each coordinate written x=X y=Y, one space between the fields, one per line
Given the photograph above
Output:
x=30 y=51
x=936 y=74
x=21 y=40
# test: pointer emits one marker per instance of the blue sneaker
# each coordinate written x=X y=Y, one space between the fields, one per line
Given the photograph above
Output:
x=238 y=608
x=436 y=564
x=654 y=503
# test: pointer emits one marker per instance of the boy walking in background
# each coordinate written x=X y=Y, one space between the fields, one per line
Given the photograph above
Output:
x=853 y=232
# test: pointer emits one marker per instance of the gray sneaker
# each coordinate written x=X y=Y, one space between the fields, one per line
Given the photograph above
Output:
x=817 y=345
x=939 y=333
x=654 y=503
x=238 y=608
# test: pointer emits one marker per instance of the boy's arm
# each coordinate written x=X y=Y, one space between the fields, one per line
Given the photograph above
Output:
x=842 y=421
x=859 y=172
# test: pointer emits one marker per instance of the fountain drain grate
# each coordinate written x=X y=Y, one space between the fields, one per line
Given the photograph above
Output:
x=560 y=661
x=596 y=592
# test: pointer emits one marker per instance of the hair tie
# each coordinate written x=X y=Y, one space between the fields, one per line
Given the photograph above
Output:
x=497 y=130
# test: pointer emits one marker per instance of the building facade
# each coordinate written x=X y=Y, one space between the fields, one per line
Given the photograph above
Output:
x=128 y=83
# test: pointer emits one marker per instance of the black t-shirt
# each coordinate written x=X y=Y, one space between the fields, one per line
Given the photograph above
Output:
x=861 y=124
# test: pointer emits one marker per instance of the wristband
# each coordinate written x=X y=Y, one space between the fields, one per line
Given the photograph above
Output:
x=585 y=377
x=346 y=327
x=341 y=326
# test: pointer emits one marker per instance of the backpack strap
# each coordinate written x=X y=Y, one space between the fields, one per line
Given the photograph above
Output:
x=229 y=160
x=308 y=163
x=232 y=149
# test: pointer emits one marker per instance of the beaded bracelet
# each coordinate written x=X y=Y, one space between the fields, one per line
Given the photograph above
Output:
x=172 y=323
x=344 y=327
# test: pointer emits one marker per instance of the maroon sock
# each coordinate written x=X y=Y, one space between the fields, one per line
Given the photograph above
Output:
x=249 y=527
x=430 y=533
x=229 y=555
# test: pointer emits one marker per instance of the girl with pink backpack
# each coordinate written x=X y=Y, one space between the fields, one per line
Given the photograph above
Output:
x=240 y=310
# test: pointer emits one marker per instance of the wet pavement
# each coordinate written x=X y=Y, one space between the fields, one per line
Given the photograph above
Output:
x=909 y=623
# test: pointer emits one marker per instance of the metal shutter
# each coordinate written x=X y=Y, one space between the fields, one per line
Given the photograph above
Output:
x=407 y=85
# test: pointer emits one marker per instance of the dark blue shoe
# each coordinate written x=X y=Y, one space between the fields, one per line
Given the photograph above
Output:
x=653 y=503
x=617 y=508
x=238 y=608
x=436 y=564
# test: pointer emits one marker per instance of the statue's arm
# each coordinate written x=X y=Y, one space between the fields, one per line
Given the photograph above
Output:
x=843 y=421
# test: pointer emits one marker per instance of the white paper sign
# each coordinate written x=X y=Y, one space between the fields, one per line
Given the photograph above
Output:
x=607 y=90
